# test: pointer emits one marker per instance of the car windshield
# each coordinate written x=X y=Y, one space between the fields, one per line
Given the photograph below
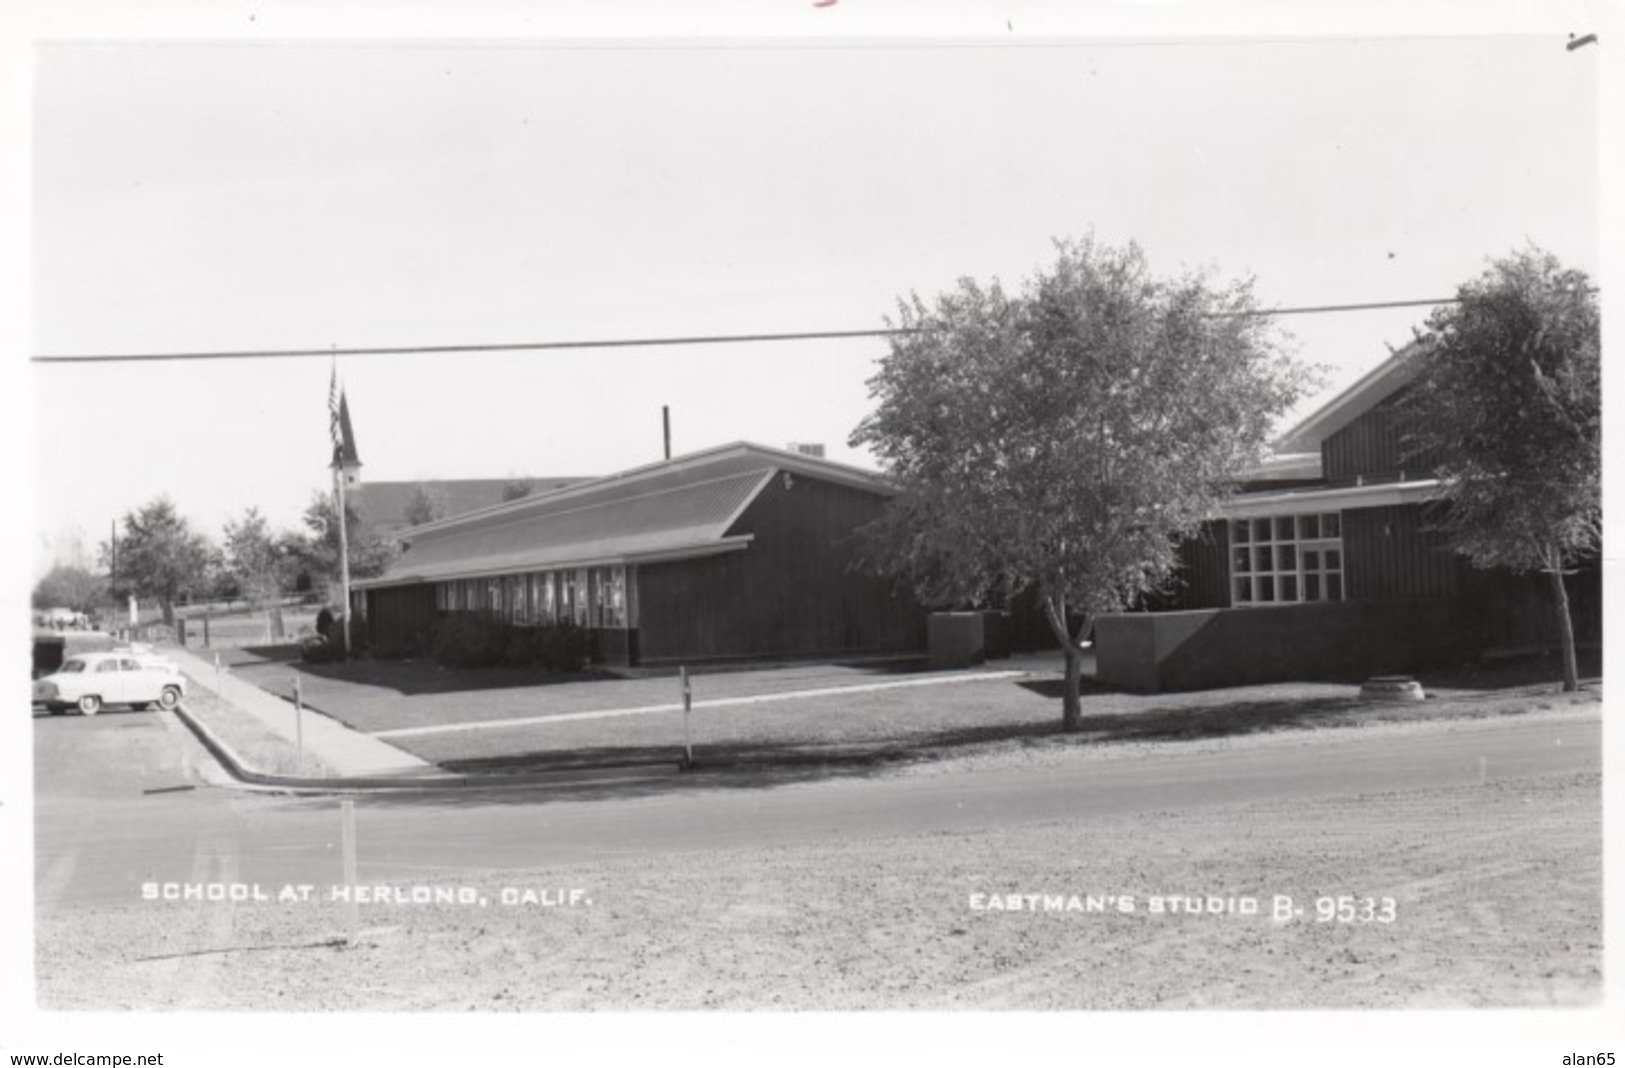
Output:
x=70 y=667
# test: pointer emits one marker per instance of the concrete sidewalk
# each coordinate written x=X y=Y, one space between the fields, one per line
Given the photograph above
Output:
x=349 y=753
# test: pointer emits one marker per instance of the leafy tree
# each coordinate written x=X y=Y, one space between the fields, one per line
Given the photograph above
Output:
x=515 y=488
x=423 y=507
x=260 y=561
x=1067 y=438
x=1508 y=399
x=159 y=556
x=318 y=551
x=71 y=586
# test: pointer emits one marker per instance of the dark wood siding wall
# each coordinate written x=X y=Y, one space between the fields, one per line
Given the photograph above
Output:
x=1204 y=573
x=1374 y=447
x=1389 y=554
x=794 y=591
x=400 y=616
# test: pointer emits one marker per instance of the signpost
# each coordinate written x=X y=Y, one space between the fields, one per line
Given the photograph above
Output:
x=688 y=749
x=299 y=722
x=352 y=917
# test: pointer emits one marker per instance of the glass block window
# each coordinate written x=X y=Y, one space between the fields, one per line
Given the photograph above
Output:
x=609 y=585
x=513 y=598
x=1286 y=559
x=582 y=598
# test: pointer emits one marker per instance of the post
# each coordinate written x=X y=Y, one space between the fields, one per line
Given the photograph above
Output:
x=299 y=723
x=219 y=688
x=665 y=422
x=688 y=748
x=352 y=919
x=344 y=555
x=206 y=642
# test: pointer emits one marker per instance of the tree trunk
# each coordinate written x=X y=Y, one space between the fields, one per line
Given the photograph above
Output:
x=278 y=630
x=169 y=611
x=1565 y=624
x=1071 y=700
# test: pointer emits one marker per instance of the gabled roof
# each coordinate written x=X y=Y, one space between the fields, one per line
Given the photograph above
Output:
x=1369 y=390
x=677 y=508
x=384 y=505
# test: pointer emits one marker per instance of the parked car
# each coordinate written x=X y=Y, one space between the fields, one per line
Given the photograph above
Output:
x=93 y=680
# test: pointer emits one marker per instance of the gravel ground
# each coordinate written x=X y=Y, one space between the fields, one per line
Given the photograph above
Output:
x=1496 y=891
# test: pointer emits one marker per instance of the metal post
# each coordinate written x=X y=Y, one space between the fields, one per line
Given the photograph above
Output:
x=299 y=722
x=665 y=422
x=352 y=918
x=688 y=748
x=344 y=554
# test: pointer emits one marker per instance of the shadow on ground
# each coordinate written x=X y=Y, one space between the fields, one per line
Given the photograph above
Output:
x=1166 y=724
x=411 y=678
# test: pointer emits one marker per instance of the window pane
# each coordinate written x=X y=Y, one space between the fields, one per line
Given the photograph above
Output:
x=1242 y=590
x=1334 y=560
x=1239 y=530
x=1261 y=530
x=1334 y=587
x=1311 y=526
x=1331 y=526
x=1284 y=530
x=1311 y=559
x=1240 y=559
x=1263 y=559
x=1286 y=557
x=1266 y=588
x=1311 y=587
x=1289 y=587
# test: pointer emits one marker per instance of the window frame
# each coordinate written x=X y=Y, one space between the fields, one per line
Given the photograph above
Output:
x=1269 y=557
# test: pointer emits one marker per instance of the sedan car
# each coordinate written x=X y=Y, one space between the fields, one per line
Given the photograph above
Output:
x=92 y=680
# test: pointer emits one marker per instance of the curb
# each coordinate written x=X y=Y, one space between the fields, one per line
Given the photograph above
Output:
x=238 y=769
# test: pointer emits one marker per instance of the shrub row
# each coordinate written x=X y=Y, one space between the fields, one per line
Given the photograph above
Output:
x=471 y=639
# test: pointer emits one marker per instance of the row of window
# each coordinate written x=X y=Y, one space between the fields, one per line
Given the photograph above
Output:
x=585 y=596
x=1286 y=559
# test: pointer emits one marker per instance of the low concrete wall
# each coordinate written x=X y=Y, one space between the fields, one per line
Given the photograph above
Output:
x=1153 y=651
x=956 y=639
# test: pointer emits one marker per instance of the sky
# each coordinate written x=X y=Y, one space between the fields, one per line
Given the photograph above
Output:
x=223 y=196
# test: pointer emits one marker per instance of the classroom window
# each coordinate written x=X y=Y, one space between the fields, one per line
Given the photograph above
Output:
x=1286 y=559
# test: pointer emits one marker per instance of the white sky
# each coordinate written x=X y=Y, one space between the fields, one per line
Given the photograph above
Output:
x=227 y=196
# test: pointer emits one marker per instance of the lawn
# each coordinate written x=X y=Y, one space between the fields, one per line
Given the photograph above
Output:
x=858 y=716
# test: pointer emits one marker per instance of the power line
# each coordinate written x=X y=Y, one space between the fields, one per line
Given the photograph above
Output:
x=643 y=342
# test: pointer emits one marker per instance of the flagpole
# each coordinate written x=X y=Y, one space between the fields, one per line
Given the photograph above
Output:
x=344 y=555
x=335 y=405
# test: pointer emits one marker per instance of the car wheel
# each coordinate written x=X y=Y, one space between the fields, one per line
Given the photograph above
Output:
x=170 y=697
x=89 y=704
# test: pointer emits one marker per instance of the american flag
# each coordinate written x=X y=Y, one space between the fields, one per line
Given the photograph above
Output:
x=333 y=414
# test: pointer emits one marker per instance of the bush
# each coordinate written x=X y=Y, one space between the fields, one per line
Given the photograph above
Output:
x=472 y=640
x=319 y=650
